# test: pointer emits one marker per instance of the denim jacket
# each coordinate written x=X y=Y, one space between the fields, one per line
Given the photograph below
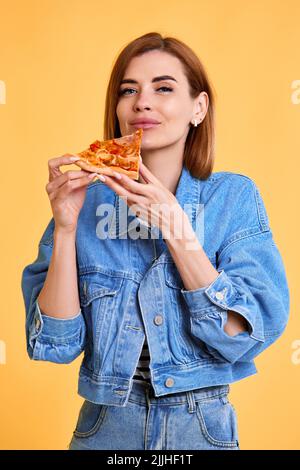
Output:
x=129 y=287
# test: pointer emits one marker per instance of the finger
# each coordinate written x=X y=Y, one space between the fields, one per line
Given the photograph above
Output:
x=55 y=163
x=131 y=185
x=102 y=171
x=147 y=175
x=119 y=189
x=61 y=179
x=71 y=185
x=141 y=179
x=108 y=171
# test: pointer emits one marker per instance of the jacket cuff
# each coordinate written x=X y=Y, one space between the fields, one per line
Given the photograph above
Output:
x=54 y=330
x=208 y=309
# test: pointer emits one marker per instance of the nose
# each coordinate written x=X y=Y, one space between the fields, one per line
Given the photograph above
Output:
x=141 y=102
x=138 y=107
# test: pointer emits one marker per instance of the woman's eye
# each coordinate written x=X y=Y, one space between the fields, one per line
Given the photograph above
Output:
x=122 y=92
x=166 y=88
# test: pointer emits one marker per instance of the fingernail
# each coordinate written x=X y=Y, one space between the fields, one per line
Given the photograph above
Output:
x=101 y=177
x=141 y=159
x=117 y=175
x=73 y=159
x=92 y=175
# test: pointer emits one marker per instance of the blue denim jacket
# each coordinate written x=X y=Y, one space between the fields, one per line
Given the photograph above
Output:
x=129 y=287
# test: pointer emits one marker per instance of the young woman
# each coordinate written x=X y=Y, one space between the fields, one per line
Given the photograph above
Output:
x=172 y=284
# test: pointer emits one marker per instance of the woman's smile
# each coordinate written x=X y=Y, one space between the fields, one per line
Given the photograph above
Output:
x=145 y=126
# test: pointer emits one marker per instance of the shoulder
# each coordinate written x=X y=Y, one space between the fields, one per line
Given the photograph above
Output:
x=236 y=194
x=228 y=178
x=229 y=185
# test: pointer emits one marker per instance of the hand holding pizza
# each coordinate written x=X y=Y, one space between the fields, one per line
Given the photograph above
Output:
x=66 y=192
x=148 y=199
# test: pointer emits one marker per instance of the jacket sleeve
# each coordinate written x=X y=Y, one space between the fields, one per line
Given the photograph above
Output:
x=251 y=281
x=47 y=338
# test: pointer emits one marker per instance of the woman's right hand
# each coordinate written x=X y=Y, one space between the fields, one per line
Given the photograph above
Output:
x=66 y=192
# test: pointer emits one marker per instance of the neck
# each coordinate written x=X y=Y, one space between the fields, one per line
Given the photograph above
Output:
x=166 y=165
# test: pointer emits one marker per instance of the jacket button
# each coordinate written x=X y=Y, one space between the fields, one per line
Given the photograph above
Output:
x=219 y=295
x=158 y=320
x=169 y=382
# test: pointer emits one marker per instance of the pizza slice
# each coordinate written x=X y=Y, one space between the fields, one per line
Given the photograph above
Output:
x=121 y=154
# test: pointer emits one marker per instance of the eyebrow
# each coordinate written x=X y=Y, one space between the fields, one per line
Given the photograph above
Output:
x=156 y=79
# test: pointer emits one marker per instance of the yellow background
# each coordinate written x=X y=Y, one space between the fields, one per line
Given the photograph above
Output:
x=55 y=60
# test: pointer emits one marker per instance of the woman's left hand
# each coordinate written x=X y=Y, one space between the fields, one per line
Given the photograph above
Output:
x=148 y=199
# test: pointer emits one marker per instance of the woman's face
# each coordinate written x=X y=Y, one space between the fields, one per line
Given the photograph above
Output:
x=166 y=100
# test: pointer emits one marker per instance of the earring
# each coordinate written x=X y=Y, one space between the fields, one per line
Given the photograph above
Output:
x=195 y=123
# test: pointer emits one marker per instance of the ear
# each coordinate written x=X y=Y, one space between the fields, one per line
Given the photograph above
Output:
x=201 y=103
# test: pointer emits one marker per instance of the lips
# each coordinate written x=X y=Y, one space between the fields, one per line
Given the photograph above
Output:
x=145 y=125
x=144 y=121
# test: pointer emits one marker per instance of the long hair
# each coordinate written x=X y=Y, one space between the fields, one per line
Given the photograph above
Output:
x=199 y=150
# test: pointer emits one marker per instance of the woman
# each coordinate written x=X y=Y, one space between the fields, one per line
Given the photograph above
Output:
x=193 y=275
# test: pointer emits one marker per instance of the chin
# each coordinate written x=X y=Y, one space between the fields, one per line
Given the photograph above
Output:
x=150 y=146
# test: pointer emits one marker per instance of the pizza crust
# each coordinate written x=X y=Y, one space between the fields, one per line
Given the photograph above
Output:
x=107 y=170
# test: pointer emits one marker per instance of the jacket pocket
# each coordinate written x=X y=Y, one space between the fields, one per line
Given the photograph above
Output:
x=218 y=421
x=99 y=301
x=95 y=285
x=91 y=417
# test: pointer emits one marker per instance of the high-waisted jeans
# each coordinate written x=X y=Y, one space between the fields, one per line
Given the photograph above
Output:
x=198 y=419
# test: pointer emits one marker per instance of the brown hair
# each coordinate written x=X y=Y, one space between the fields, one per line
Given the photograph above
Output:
x=199 y=148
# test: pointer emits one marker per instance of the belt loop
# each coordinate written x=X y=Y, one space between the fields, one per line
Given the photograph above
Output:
x=191 y=401
x=147 y=397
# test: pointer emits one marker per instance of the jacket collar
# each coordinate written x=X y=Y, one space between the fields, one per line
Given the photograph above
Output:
x=187 y=193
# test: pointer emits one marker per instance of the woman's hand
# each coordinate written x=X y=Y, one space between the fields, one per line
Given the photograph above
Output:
x=148 y=199
x=66 y=192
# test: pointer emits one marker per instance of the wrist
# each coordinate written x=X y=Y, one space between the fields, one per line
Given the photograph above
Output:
x=178 y=226
x=66 y=232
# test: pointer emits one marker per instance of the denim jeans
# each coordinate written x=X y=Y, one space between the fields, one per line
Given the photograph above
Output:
x=201 y=419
